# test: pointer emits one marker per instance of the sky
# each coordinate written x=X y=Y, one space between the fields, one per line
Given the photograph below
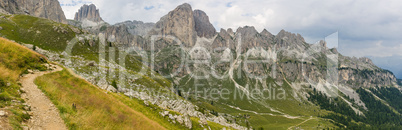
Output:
x=366 y=28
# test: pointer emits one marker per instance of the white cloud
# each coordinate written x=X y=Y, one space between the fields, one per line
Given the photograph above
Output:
x=376 y=49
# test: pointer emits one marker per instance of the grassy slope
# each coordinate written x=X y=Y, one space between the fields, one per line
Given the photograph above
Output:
x=53 y=36
x=94 y=106
x=22 y=28
x=98 y=109
x=289 y=105
x=14 y=61
x=43 y=33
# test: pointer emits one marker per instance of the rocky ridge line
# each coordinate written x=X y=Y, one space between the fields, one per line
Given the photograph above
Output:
x=49 y=9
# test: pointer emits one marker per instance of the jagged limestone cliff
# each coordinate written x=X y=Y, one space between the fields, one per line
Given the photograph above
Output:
x=49 y=9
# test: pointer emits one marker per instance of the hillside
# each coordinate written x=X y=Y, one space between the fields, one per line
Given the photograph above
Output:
x=179 y=73
x=94 y=105
x=100 y=109
x=250 y=66
x=15 y=60
x=85 y=64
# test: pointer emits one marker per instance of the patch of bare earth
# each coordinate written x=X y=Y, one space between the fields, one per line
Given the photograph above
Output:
x=44 y=115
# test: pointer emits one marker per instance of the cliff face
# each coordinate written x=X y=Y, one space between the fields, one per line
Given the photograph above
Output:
x=128 y=33
x=362 y=72
x=185 y=24
x=49 y=9
x=180 y=23
x=202 y=25
x=88 y=12
x=137 y=27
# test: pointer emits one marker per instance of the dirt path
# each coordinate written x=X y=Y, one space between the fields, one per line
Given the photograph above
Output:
x=44 y=114
x=301 y=123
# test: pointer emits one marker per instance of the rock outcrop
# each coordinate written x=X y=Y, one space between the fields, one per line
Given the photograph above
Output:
x=88 y=12
x=49 y=9
x=224 y=39
x=250 y=38
x=119 y=35
x=137 y=27
x=88 y=16
x=179 y=23
x=185 y=24
x=267 y=34
x=289 y=40
x=358 y=72
x=202 y=25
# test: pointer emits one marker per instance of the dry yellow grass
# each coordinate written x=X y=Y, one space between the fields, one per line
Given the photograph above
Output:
x=6 y=73
x=15 y=58
x=95 y=108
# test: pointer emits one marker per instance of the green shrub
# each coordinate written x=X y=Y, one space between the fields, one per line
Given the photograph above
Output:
x=114 y=84
x=5 y=96
x=103 y=28
x=20 y=116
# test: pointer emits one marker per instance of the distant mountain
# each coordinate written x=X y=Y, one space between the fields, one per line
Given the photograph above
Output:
x=392 y=63
x=49 y=9
x=286 y=60
x=88 y=12
x=272 y=81
x=203 y=27
x=311 y=75
x=87 y=16
x=185 y=24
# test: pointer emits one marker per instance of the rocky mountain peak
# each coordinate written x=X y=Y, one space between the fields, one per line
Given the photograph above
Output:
x=323 y=43
x=224 y=34
x=247 y=31
x=334 y=50
x=288 y=39
x=49 y=9
x=289 y=35
x=179 y=23
x=224 y=39
x=184 y=6
x=266 y=33
x=88 y=12
x=202 y=25
x=249 y=37
x=366 y=60
x=283 y=33
x=222 y=30
x=137 y=27
x=230 y=31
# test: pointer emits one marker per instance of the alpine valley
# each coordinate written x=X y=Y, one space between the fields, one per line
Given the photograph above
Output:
x=180 y=73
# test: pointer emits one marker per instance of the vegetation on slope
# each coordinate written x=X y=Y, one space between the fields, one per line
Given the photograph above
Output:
x=248 y=111
x=380 y=115
x=392 y=95
x=54 y=36
x=40 y=32
x=377 y=116
x=14 y=61
x=94 y=108
x=99 y=109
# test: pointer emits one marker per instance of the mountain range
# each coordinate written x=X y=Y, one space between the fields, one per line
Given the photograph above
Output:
x=237 y=78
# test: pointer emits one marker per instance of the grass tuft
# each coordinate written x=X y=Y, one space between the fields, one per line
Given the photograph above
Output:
x=15 y=59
